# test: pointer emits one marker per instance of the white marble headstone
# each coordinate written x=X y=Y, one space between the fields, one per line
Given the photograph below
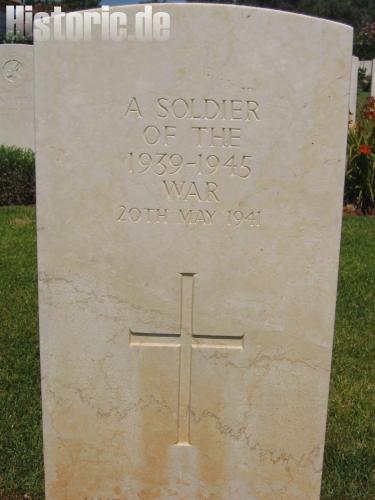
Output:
x=367 y=66
x=17 y=95
x=189 y=211
x=353 y=91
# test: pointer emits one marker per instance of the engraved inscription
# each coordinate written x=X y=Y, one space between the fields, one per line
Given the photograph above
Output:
x=186 y=190
x=208 y=109
x=246 y=218
x=193 y=178
x=165 y=164
x=196 y=216
x=185 y=340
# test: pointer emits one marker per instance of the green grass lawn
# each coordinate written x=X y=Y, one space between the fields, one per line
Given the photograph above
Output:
x=349 y=467
x=350 y=447
x=21 y=469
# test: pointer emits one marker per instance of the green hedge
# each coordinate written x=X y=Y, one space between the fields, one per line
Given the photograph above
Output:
x=17 y=176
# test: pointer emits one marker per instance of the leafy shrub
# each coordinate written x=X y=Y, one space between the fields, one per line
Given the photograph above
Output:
x=17 y=176
x=364 y=40
x=15 y=38
x=360 y=171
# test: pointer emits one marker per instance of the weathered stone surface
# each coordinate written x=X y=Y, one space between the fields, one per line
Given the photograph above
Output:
x=16 y=95
x=188 y=281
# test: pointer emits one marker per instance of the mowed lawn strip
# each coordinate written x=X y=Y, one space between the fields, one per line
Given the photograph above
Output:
x=350 y=447
x=349 y=466
x=21 y=469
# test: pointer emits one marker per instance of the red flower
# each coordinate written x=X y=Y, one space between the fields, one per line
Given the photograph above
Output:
x=365 y=149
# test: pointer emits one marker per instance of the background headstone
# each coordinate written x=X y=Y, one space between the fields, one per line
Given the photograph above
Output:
x=366 y=65
x=17 y=95
x=372 y=93
x=353 y=91
x=189 y=210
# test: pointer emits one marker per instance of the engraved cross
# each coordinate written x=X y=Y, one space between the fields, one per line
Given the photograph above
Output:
x=185 y=341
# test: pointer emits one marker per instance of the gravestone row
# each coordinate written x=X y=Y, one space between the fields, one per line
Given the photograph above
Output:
x=189 y=211
x=369 y=67
x=17 y=93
